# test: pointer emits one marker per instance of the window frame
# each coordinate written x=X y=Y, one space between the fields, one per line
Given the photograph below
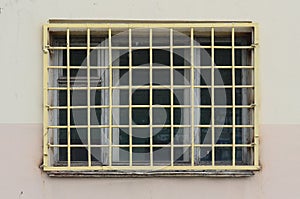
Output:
x=183 y=170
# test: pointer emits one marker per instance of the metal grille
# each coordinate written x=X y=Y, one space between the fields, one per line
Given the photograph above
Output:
x=150 y=96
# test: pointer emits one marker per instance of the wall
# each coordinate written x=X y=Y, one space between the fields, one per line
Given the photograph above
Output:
x=21 y=102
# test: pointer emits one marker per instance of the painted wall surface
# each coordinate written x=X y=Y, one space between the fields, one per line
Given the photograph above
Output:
x=21 y=100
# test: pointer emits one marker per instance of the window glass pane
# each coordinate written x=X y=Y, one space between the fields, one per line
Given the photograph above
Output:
x=120 y=57
x=99 y=57
x=78 y=38
x=244 y=77
x=244 y=96
x=161 y=77
x=141 y=57
x=203 y=116
x=160 y=37
x=223 y=36
x=140 y=136
x=223 y=135
x=181 y=77
x=182 y=96
x=161 y=135
x=140 y=97
x=223 y=57
x=120 y=38
x=223 y=77
x=244 y=156
x=79 y=156
x=140 y=77
x=120 y=156
x=243 y=36
x=141 y=156
x=223 y=156
x=182 y=155
x=120 y=136
x=202 y=57
x=182 y=37
x=243 y=57
x=99 y=38
x=120 y=116
x=161 y=97
x=161 y=57
x=140 y=116
x=77 y=58
x=244 y=135
x=203 y=135
x=182 y=136
x=244 y=116
x=161 y=156
x=205 y=156
x=223 y=96
x=79 y=136
x=181 y=57
x=202 y=36
x=223 y=116
x=140 y=37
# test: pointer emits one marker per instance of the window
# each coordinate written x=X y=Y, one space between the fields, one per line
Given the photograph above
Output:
x=150 y=97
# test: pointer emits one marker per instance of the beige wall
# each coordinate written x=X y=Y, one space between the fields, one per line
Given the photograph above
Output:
x=21 y=101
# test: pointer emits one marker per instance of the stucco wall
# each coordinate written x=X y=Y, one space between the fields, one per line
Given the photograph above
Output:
x=21 y=99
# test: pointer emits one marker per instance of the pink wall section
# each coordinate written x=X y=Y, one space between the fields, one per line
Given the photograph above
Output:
x=22 y=154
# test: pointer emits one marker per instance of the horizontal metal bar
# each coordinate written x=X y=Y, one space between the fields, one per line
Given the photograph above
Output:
x=148 y=145
x=153 y=168
x=147 y=25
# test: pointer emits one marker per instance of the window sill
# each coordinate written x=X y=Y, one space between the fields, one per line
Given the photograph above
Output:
x=145 y=174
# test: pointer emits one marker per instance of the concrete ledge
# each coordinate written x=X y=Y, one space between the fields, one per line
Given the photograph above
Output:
x=144 y=174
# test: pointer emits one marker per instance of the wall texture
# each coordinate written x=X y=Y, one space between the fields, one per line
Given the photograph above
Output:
x=21 y=102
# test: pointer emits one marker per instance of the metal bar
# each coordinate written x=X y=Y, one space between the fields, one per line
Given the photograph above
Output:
x=89 y=98
x=157 y=168
x=148 y=25
x=213 y=96
x=233 y=94
x=110 y=97
x=172 y=97
x=256 y=97
x=150 y=96
x=192 y=99
x=68 y=98
x=45 y=99
x=130 y=97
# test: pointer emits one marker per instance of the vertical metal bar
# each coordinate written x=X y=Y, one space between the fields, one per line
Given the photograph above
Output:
x=171 y=95
x=88 y=97
x=256 y=97
x=150 y=100
x=233 y=95
x=212 y=96
x=110 y=96
x=45 y=90
x=192 y=98
x=130 y=94
x=68 y=98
